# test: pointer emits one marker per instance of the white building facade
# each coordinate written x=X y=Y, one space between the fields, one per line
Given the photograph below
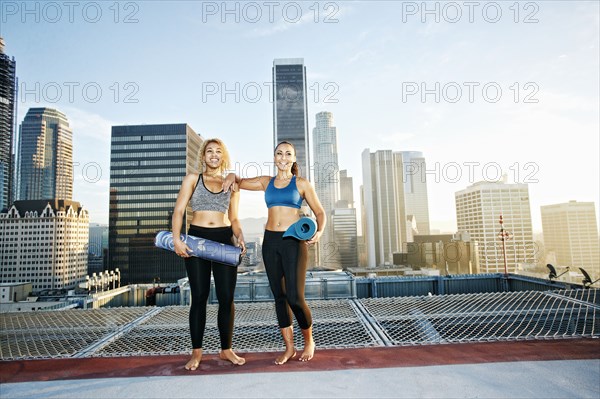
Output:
x=478 y=210
x=44 y=242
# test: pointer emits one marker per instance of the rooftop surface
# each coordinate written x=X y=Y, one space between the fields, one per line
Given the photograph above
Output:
x=510 y=344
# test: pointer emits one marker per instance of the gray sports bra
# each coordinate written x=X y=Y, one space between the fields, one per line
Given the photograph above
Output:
x=205 y=200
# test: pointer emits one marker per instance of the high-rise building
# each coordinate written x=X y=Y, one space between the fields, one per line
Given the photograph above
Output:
x=343 y=221
x=290 y=109
x=571 y=233
x=478 y=210
x=148 y=164
x=98 y=238
x=414 y=195
x=326 y=167
x=346 y=190
x=8 y=80
x=45 y=155
x=326 y=179
x=395 y=202
x=97 y=247
x=44 y=242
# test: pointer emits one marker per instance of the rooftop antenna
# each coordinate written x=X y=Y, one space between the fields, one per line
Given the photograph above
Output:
x=552 y=275
x=587 y=280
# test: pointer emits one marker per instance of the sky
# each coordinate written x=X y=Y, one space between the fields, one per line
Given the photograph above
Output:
x=481 y=88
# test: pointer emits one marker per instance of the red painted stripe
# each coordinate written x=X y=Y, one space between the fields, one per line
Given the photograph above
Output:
x=332 y=359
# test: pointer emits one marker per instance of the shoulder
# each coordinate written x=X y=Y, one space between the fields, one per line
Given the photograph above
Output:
x=303 y=183
x=265 y=180
x=191 y=178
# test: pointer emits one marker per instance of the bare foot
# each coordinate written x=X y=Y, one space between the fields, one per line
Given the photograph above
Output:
x=195 y=360
x=308 y=353
x=287 y=355
x=228 y=354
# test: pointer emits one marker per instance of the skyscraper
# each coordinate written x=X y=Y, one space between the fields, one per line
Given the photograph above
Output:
x=326 y=178
x=395 y=202
x=290 y=109
x=7 y=117
x=414 y=195
x=343 y=222
x=326 y=168
x=571 y=233
x=148 y=164
x=45 y=155
x=346 y=190
x=478 y=210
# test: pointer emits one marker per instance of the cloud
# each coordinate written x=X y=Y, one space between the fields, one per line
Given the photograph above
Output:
x=88 y=125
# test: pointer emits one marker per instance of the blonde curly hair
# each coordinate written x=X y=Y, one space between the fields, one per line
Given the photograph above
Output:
x=225 y=160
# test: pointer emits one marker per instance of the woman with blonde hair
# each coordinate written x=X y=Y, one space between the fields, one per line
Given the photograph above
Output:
x=215 y=218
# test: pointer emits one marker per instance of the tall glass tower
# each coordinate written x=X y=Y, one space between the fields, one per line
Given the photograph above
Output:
x=147 y=165
x=45 y=155
x=7 y=116
x=290 y=109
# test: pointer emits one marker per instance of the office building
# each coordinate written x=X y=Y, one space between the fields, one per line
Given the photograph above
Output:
x=395 y=202
x=344 y=253
x=97 y=248
x=326 y=181
x=290 y=109
x=148 y=164
x=571 y=234
x=45 y=155
x=8 y=88
x=448 y=253
x=44 y=242
x=478 y=210
x=346 y=190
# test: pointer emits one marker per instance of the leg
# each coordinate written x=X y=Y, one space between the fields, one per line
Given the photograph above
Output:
x=309 y=345
x=198 y=272
x=290 y=351
x=274 y=271
x=225 y=279
x=295 y=265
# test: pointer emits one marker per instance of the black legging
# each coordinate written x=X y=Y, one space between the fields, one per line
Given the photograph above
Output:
x=285 y=263
x=198 y=271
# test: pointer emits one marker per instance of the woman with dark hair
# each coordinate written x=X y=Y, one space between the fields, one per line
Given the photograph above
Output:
x=286 y=258
x=215 y=218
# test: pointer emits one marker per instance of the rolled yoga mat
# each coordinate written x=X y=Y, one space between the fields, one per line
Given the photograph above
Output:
x=202 y=248
x=303 y=229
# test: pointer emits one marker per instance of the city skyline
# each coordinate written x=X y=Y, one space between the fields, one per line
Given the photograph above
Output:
x=392 y=84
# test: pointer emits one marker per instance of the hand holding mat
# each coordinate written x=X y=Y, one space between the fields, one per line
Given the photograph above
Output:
x=202 y=248
x=303 y=229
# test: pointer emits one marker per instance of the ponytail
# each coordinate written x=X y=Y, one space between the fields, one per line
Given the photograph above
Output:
x=295 y=169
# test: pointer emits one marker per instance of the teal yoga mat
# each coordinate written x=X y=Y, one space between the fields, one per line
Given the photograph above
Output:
x=202 y=248
x=303 y=229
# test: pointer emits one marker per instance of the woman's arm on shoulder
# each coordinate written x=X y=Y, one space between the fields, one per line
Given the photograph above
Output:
x=258 y=183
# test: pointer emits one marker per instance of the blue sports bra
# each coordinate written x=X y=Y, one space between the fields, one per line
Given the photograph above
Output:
x=287 y=196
